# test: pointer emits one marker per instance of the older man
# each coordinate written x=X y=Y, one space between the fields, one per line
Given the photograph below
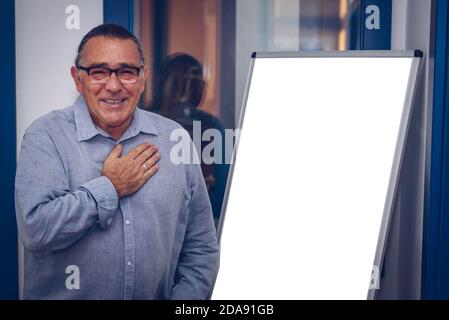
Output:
x=102 y=211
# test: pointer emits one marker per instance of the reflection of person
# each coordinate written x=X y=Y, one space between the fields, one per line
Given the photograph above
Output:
x=178 y=93
x=102 y=211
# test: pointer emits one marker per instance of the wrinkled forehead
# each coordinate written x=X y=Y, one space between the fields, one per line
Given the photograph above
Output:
x=111 y=52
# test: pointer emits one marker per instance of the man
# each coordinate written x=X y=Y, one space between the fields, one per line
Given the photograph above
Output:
x=101 y=210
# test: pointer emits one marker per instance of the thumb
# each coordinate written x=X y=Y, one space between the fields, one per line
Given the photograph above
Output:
x=116 y=152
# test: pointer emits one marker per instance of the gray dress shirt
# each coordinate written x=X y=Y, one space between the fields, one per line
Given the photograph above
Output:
x=82 y=242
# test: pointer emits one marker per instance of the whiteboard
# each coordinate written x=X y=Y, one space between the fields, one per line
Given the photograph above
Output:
x=311 y=189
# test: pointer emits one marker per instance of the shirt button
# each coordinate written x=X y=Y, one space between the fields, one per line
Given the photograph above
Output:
x=127 y=221
x=129 y=263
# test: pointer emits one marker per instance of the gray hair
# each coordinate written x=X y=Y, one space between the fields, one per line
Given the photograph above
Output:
x=111 y=31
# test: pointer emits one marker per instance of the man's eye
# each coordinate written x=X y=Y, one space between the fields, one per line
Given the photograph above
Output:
x=128 y=72
x=98 y=72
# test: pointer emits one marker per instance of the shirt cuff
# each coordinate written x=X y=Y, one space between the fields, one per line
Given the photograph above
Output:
x=106 y=197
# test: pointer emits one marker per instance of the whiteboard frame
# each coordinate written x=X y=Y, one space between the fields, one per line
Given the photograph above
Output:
x=407 y=110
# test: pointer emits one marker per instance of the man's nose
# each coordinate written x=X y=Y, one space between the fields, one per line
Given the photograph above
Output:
x=113 y=84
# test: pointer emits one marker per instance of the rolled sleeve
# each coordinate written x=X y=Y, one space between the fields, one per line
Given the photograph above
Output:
x=104 y=193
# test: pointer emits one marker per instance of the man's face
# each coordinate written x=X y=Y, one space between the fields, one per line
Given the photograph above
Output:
x=110 y=104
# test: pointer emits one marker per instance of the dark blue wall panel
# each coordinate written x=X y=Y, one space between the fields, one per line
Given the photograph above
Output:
x=8 y=229
x=119 y=12
x=435 y=271
x=377 y=39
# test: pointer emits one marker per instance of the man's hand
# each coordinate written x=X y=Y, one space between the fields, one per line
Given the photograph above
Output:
x=130 y=172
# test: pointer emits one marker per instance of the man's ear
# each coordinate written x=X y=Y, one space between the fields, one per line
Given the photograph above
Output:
x=146 y=72
x=76 y=77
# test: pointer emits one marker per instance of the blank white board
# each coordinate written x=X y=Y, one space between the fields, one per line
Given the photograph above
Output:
x=312 y=186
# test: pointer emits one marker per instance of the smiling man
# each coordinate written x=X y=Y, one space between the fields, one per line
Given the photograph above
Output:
x=101 y=210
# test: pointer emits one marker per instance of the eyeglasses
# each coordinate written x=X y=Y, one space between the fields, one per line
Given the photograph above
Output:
x=126 y=75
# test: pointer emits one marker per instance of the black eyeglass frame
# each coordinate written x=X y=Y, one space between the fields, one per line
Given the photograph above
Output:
x=111 y=71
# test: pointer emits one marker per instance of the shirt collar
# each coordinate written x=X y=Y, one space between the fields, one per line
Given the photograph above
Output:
x=86 y=129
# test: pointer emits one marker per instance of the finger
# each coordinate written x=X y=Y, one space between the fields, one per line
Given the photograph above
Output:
x=147 y=154
x=150 y=172
x=116 y=152
x=151 y=161
x=138 y=150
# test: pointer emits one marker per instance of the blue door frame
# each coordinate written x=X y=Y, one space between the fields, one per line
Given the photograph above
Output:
x=8 y=234
x=376 y=39
x=435 y=267
x=120 y=12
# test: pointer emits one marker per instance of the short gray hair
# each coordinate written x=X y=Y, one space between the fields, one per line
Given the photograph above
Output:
x=111 y=31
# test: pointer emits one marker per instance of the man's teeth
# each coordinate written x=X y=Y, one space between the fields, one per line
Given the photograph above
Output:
x=114 y=101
